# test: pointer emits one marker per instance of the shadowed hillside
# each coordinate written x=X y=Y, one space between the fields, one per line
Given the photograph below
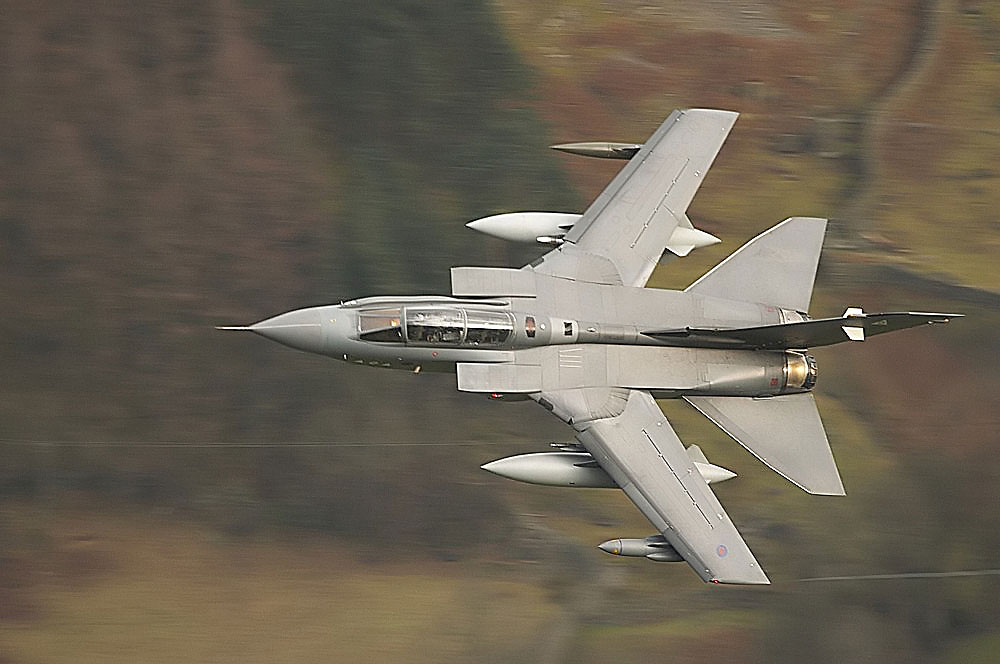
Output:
x=167 y=168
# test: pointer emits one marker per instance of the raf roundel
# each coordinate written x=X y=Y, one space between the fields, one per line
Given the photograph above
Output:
x=722 y=551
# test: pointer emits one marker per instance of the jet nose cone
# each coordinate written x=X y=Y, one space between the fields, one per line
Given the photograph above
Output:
x=301 y=329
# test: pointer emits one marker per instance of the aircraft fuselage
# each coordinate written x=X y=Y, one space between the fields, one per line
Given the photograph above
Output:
x=551 y=342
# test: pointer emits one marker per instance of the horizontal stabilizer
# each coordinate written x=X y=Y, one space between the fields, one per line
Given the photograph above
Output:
x=784 y=432
x=853 y=326
x=778 y=267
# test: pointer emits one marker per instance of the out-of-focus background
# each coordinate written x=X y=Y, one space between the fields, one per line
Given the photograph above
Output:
x=169 y=166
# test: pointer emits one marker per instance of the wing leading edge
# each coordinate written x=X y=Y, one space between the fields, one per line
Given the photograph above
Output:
x=622 y=235
x=644 y=456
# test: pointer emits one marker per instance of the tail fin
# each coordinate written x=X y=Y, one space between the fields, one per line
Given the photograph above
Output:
x=778 y=267
x=784 y=432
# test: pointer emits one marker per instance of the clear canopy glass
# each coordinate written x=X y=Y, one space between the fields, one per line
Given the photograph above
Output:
x=380 y=324
x=457 y=326
x=435 y=326
x=485 y=328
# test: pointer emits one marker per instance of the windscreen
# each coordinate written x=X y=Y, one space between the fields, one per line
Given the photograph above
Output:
x=380 y=325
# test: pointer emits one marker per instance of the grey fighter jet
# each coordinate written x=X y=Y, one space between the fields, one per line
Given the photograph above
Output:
x=577 y=332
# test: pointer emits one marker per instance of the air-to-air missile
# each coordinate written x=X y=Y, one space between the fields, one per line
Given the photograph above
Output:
x=654 y=547
x=575 y=467
x=601 y=150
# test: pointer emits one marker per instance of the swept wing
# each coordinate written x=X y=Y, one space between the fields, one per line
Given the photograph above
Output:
x=644 y=456
x=622 y=235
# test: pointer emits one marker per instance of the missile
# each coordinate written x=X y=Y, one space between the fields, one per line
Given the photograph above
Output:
x=600 y=149
x=580 y=469
x=654 y=547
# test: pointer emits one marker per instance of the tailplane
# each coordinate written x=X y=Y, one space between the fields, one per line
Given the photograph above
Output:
x=784 y=432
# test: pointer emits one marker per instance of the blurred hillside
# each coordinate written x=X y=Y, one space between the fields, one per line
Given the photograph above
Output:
x=167 y=167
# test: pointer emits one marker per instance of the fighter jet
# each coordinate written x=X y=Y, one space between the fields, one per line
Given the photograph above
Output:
x=577 y=332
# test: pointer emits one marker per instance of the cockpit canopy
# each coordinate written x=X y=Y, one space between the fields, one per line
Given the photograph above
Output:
x=380 y=324
x=436 y=325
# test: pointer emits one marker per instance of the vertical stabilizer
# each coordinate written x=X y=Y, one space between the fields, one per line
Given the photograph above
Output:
x=778 y=267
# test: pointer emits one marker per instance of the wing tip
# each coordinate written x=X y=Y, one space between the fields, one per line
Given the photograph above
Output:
x=935 y=318
x=712 y=111
x=828 y=484
x=736 y=580
x=825 y=492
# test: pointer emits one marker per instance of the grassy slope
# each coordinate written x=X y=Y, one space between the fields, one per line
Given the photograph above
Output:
x=614 y=75
x=126 y=587
x=941 y=195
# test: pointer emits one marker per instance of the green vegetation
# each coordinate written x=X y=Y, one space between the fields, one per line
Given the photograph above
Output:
x=348 y=168
x=981 y=650
x=165 y=591
x=425 y=109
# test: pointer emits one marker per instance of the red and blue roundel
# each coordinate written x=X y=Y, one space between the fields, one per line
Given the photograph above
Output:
x=722 y=551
